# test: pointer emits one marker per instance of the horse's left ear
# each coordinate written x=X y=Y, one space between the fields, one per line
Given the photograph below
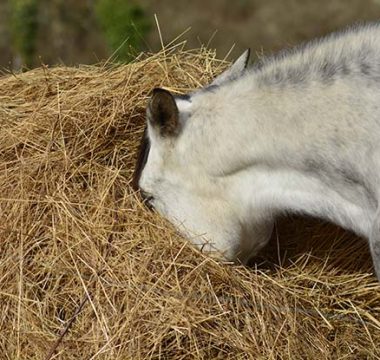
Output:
x=235 y=70
x=163 y=113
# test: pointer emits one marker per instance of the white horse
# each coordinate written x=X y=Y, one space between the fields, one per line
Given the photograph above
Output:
x=297 y=132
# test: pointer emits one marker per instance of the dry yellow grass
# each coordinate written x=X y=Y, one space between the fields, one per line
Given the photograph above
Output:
x=86 y=272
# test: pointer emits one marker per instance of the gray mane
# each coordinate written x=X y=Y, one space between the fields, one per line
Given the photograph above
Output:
x=348 y=52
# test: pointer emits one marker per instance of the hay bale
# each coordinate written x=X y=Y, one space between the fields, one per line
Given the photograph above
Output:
x=88 y=273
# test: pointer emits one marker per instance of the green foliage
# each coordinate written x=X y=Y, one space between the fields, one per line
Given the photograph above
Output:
x=24 y=28
x=124 y=24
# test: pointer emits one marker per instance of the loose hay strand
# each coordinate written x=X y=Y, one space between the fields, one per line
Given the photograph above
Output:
x=66 y=328
x=72 y=225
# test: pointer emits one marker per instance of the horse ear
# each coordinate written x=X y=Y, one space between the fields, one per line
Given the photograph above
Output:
x=235 y=70
x=163 y=113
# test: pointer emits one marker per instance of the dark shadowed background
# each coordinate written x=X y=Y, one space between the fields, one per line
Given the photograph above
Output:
x=88 y=31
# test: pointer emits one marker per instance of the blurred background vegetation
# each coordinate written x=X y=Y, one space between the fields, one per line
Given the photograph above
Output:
x=88 y=31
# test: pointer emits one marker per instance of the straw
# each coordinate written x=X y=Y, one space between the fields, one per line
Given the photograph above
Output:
x=87 y=272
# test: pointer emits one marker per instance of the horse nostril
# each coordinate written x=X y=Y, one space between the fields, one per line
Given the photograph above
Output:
x=147 y=199
x=144 y=195
x=148 y=202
